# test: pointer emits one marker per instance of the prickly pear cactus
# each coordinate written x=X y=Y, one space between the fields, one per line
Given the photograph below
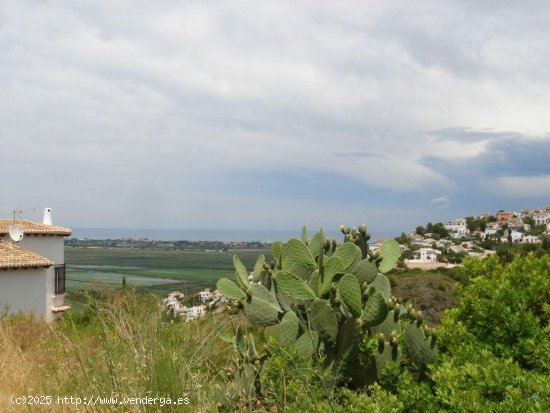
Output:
x=325 y=298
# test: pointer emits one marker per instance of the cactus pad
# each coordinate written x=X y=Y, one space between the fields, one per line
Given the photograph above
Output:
x=332 y=266
x=390 y=252
x=422 y=349
x=293 y=286
x=307 y=344
x=299 y=255
x=348 y=253
x=304 y=234
x=263 y=309
x=240 y=270
x=313 y=281
x=382 y=284
x=375 y=311
x=258 y=268
x=389 y=325
x=323 y=320
x=317 y=244
x=230 y=290
x=288 y=329
x=350 y=293
x=365 y=271
x=349 y=336
x=277 y=251
x=383 y=355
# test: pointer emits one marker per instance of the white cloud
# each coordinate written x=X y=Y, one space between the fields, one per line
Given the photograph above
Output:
x=441 y=202
x=171 y=97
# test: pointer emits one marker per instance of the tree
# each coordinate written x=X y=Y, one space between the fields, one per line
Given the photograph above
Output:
x=420 y=230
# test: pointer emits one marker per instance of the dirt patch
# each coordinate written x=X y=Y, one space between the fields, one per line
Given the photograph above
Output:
x=432 y=293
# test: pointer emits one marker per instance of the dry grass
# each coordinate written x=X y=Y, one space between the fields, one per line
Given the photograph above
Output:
x=120 y=347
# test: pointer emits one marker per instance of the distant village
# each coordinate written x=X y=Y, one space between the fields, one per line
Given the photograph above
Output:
x=479 y=236
x=146 y=243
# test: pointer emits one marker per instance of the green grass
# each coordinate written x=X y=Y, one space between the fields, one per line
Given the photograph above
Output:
x=160 y=259
x=151 y=270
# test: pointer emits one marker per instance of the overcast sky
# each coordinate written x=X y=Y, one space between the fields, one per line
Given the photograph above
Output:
x=271 y=115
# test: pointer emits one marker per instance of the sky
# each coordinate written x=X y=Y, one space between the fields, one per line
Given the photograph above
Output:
x=272 y=115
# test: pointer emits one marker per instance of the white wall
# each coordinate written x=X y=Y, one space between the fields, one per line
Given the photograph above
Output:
x=49 y=247
x=52 y=247
x=25 y=290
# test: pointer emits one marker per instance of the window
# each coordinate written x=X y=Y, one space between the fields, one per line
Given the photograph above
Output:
x=60 y=279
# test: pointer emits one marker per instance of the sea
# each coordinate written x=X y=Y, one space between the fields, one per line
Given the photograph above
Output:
x=162 y=234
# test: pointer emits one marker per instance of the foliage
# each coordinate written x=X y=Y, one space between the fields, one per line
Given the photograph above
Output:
x=329 y=302
x=476 y=223
x=504 y=308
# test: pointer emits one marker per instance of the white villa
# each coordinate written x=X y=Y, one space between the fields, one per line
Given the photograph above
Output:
x=32 y=267
x=425 y=255
x=531 y=239
x=458 y=228
x=205 y=295
x=193 y=313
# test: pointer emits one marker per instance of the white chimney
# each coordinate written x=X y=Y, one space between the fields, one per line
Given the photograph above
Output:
x=47 y=216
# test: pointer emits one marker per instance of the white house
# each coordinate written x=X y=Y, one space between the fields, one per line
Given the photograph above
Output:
x=173 y=301
x=425 y=255
x=32 y=267
x=531 y=239
x=516 y=236
x=491 y=228
x=458 y=228
x=193 y=313
x=541 y=219
x=205 y=295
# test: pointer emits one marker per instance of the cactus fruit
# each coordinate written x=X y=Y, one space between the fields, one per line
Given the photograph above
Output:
x=383 y=354
x=389 y=325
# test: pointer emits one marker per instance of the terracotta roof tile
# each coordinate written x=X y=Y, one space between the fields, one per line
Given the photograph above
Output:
x=12 y=256
x=33 y=228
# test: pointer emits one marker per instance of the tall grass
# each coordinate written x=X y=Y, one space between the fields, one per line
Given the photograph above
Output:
x=118 y=346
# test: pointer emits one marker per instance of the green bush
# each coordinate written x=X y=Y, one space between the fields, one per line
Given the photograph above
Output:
x=504 y=309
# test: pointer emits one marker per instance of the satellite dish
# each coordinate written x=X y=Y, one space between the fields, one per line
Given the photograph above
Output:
x=16 y=233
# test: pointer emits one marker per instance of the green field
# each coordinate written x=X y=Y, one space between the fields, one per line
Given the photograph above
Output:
x=152 y=269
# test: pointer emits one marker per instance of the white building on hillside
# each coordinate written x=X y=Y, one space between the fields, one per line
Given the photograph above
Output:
x=531 y=239
x=205 y=295
x=458 y=228
x=542 y=218
x=32 y=267
x=425 y=255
